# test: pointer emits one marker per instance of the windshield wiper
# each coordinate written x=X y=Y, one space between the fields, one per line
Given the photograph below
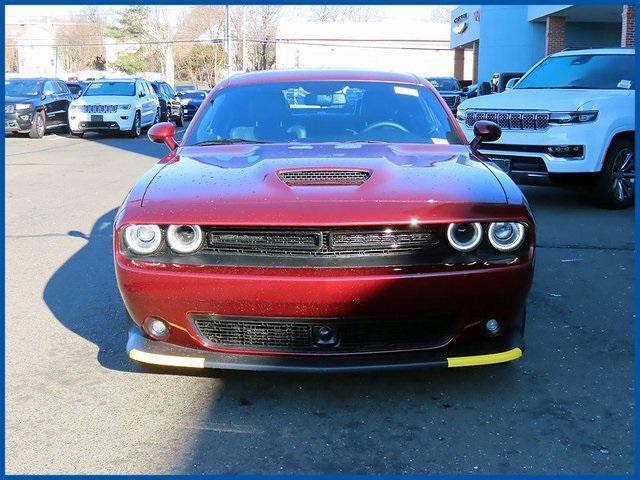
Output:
x=227 y=141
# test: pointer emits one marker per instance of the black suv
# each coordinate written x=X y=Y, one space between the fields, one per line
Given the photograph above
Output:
x=170 y=106
x=449 y=89
x=35 y=105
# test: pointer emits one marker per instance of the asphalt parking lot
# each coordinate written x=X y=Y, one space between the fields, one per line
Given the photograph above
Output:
x=76 y=404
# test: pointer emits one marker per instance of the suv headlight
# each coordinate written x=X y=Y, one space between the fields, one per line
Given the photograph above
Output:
x=566 y=118
x=143 y=239
x=23 y=106
x=124 y=107
x=75 y=106
x=461 y=115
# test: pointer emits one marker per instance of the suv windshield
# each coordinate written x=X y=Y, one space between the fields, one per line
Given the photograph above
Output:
x=193 y=95
x=445 y=83
x=593 y=71
x=22 y=88
x=124 y=89
x=325 y=111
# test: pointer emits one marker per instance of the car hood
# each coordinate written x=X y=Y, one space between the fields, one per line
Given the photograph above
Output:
x=10 y=99
x=240 y=185
x=106 y=100
x=540 y=99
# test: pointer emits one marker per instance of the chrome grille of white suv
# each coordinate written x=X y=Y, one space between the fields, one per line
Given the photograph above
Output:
x=511 y=120
x=99 y=108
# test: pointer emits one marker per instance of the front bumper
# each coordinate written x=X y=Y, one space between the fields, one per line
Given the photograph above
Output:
x=142 y=349
x=84 y=122
x=588 y=135
x=14 y=123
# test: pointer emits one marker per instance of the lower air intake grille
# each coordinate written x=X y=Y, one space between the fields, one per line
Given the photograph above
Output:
x=324 y=177
x=351 y=335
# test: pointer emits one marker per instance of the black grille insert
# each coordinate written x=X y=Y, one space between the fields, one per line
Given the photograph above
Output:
x=322 y=242
x=296 y=334
x=324 y=177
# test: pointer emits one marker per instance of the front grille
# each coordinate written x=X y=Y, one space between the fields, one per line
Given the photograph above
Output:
x=297 y=334
x=321 y=242
x=511 y=120
x=452 y=100
x=99 y=108
x=324 y=177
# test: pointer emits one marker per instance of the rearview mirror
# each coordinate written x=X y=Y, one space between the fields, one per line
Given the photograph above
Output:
x=163 y=132
x=484 y=131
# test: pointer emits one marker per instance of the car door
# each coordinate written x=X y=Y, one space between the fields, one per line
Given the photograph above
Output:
x=65 y=99
x=50 y=102
x=154 y=103
x=172 y=100
x=148 y=110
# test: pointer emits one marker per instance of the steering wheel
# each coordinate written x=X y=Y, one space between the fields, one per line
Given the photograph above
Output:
x=385 y=124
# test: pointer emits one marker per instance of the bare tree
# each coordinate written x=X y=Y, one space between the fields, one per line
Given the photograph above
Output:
x=90 y=29
x=262 y=26
x=342 y=13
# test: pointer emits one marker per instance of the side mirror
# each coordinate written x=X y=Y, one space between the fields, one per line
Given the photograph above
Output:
x=163 y=132
x=484 y=131
x=511 y=83
x=142 y=94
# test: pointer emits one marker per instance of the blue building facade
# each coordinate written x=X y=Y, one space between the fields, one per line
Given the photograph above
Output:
x=512 y=38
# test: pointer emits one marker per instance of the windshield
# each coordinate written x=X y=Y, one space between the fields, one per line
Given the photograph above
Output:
x=193 y=95
x=582 y=71
x=22 y=88
x=124 y=89
x=325 y=111
x=445 y=83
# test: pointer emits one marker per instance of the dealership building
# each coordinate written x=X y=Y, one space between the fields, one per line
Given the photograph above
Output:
x=512 y=38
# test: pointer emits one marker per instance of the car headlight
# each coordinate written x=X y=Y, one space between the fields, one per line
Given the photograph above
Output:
x=75 y=106
x=506 y=236
x=124 y=107
x=461 y=115
x=143 y=239
x=564 y=118
x=464 y=237
x=23 y=106
x=184 y=238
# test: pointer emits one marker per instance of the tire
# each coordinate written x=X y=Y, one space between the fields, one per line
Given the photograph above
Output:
x=615 y=188
x=136 y=129
x=38 y=126
x=65 y=129
x=180 y=119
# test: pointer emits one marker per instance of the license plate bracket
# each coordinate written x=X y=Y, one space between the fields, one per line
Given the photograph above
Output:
x=503 y=164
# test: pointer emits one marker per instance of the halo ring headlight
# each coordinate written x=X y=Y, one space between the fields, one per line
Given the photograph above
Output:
x=184 y=238
x=143 y=239
x=506 y=236
x=464 y=237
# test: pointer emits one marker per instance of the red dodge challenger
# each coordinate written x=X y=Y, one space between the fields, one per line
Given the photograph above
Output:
x=324 y=221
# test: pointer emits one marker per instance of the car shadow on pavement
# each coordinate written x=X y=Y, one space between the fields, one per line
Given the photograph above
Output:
x=83 y=296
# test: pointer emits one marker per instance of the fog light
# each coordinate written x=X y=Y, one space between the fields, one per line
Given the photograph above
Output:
x=25 y=117
x=156 y=328
x=492 y=326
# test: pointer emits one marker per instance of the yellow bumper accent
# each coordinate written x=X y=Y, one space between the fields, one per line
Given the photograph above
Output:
x=484 y=359
x=169 y=360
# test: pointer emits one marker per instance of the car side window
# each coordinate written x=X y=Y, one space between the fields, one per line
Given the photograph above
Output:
x=48 y=89
x=139 y=88
x=170 y=91
x=148 y=87
x=63 y=88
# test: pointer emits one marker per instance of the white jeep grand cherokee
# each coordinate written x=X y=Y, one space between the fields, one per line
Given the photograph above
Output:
x=570 y=118
x=115 y=105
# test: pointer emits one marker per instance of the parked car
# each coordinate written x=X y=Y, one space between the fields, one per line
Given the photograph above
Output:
x=115 y=105
x=76 y=88
x=339 y=233
x=35 y=105
x=185 y=88
x=469 y=92
x=570 y=119
x=191 y=101
x=170 y=105
x=450 y=90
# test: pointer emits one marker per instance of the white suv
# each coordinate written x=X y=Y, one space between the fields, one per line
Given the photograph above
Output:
x=570 y=118
x=109 y=105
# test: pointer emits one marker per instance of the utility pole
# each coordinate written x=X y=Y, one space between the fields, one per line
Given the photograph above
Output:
x=244 y=38
x=227 y=19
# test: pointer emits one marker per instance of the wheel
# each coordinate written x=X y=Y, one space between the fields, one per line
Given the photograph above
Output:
x=38 y=126
x=135 y=128
x=65 y=129
x=180 y=119
x=616 y=183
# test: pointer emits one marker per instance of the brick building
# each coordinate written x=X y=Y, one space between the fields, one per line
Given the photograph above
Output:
x=512 y=38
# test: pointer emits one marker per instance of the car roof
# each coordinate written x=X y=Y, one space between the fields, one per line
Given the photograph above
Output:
x=596 y=51
x=297 y=75
x=35 y=78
